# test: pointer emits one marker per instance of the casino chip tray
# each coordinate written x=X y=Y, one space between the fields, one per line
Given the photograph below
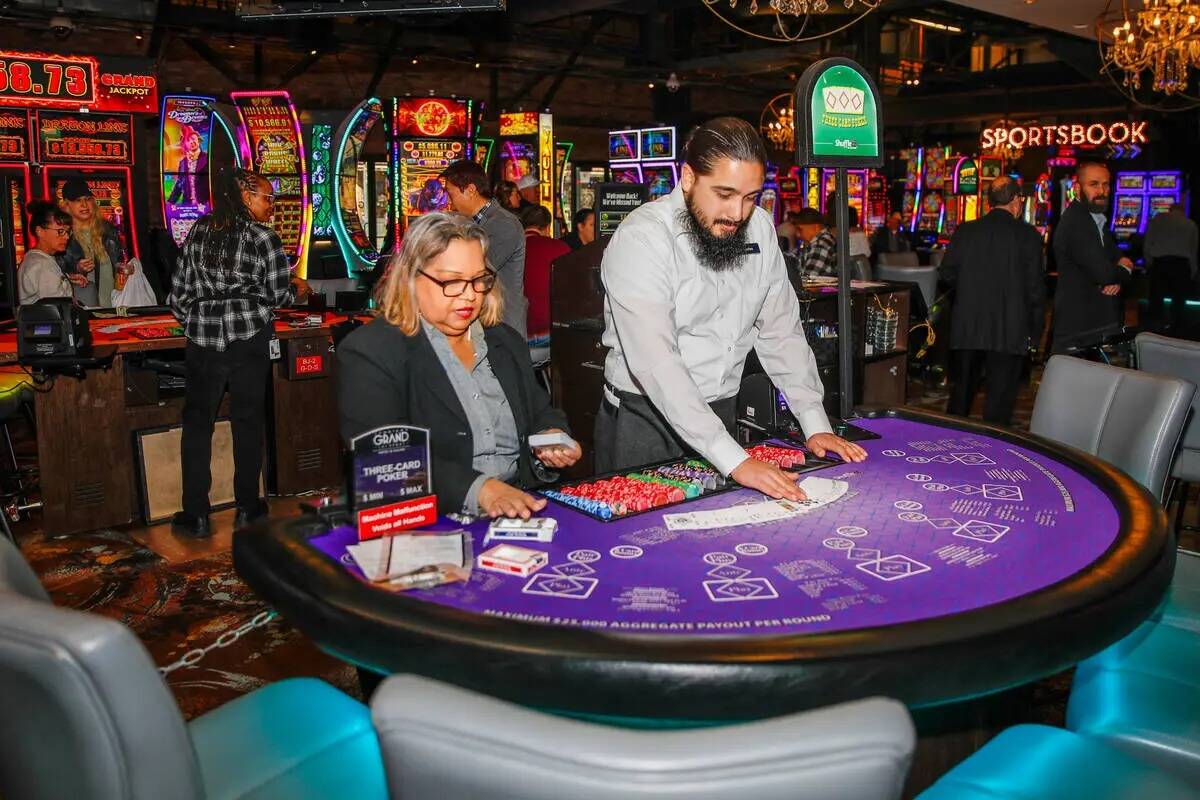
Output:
x=627 y=493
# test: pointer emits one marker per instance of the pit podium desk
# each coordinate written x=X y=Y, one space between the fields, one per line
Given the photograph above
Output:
x=86 y=428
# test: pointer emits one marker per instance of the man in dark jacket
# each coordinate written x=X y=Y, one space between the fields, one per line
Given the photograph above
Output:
x=1087 y=303
x=996 y=265
x=891 y=237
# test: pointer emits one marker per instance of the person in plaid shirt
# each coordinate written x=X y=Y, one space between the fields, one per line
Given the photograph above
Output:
x=231 y=274
x=820 y=252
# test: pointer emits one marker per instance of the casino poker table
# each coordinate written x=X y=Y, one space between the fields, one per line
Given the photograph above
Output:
x=962 y=560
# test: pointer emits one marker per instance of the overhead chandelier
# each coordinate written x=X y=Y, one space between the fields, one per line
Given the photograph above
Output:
x=777 y=122
x=1163 y=38
x=798 y=11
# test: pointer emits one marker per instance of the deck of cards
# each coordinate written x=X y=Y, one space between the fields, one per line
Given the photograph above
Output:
x=556 y=439
x=521 y=530
x=509 y=559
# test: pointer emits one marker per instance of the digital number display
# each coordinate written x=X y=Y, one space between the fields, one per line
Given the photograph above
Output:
x=29 y=79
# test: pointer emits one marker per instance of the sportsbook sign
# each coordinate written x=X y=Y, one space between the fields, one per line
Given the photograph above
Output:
x=1075 y=134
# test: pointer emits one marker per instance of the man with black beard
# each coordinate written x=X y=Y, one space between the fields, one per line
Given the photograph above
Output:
x=1087 y=301
x=692 y=282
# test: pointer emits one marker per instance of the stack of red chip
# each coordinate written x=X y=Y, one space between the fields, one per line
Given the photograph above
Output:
x=782 y=457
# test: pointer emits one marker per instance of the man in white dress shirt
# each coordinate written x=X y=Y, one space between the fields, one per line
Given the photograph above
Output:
x=692 y=282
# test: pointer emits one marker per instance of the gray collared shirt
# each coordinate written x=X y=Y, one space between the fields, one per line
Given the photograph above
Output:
x=493 y=427
x=1100 y=221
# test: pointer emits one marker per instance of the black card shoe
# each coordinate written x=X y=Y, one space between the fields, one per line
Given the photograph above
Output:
x=190 y=525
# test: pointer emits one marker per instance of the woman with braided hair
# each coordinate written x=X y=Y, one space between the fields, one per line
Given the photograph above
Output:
x=232 y=273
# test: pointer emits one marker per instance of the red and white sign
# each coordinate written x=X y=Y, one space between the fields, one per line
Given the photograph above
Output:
x=379 y=521
x=309 y=365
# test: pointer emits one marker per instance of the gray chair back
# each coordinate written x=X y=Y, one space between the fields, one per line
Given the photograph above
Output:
x=906 y=259
x=855 y=751
x=924 y=277
x=85 y=713
x=935 y=257
x=1130 y=419
x=1178 y=358
x=860 y=268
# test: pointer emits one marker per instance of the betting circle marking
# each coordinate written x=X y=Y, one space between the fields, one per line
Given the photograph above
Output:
x=583 y=556
x=626 y=551
x=917 y=460
x=919 y=477
x=834 y=543
x=912 y=516
x=936 y=487
x=907 y=505
x=720 y=559
x=751 y=549
x=893 y=453
x=853 y=531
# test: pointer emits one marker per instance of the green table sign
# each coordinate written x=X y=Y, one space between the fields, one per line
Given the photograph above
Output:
x=842 y=123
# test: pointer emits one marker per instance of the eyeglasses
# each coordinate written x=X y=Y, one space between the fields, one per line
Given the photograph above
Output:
x=270 y=198
x=453 y=288
x=59 y=231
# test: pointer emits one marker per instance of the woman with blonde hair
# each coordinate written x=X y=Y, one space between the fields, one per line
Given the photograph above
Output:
x=95 y=249
x=438 y=357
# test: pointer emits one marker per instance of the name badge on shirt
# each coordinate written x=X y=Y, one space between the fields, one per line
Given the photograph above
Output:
x=751 y=249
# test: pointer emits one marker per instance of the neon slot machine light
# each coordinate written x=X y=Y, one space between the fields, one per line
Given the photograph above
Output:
x=271 y=142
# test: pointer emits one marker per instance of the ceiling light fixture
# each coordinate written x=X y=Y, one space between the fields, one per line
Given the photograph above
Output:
x=1162 y=39
x=800 y=11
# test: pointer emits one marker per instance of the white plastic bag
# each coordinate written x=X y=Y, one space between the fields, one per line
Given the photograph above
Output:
x=137 y=291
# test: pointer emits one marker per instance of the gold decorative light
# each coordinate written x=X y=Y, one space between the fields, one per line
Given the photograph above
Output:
x=777 y=123
x=1162 y=38
x=798 y=10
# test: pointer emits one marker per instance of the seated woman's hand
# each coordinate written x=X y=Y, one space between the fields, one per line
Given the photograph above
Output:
x=498 y=499
x=558 y=456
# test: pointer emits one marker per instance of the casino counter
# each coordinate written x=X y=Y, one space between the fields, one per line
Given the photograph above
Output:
x=89 y=428
x=961 y=561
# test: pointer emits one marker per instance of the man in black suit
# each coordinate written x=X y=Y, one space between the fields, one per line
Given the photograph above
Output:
x=996 y=265
x=1087 y=302
x=891 y=238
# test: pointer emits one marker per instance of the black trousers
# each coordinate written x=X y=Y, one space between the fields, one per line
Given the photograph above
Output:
x=244 y=368
x=1170 y=276
x=636 y=433
x=1003 y=375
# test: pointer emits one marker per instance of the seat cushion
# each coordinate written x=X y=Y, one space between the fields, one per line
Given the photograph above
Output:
x=1032 y=762
x=295 y=739
x=1142 y=696
x=1181 y=609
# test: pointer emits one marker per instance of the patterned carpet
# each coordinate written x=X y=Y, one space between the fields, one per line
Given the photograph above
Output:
x=174 y=608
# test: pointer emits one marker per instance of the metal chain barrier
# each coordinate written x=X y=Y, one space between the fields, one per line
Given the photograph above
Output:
x=193 y=657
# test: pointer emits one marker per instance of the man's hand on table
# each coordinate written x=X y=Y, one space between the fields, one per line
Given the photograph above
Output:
x=768 y=479
x=822 y=443
x=498 y=499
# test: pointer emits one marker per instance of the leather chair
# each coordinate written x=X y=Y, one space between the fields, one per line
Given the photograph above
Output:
x=936 y=257
x=1179 y=358
x=860 y=268
x=1142 y=696
x=443 y=741
x=907 y=259
x=925 y=277
x=1036 y=762
x=86 y=715
x=1130 y=419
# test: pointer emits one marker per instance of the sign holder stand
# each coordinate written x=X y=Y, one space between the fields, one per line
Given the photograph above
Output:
x=839 y=124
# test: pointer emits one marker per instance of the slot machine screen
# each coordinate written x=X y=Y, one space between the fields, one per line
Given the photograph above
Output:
x=624 y=145
x=661 y=180
x=422 y=161
x=1128 y=213
x=1131 y=182
x=518 y=159
x=626 y=175
x=1160 y=204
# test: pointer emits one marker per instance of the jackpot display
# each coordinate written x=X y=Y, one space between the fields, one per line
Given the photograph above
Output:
x=428 y=135
x=185 y=143
x=271 y=143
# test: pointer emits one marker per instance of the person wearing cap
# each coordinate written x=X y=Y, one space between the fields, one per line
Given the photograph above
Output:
x=470 y=192
x=528 y=188
x=996 y=266
x=95 y=249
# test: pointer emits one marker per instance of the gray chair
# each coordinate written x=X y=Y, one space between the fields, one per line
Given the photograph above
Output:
x=925 y=277
x=936 y=257
x=860 y=268
x=1130 y=419
x=443 y=741
x=906 y=259
x=86 y=715
x=1178 y=358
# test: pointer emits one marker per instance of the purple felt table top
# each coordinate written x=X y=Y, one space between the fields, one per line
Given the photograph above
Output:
x=937 y=521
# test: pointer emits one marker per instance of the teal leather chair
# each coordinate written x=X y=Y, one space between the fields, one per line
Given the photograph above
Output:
x=86 y=715
x=1036 y=762
x=1142 y=696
